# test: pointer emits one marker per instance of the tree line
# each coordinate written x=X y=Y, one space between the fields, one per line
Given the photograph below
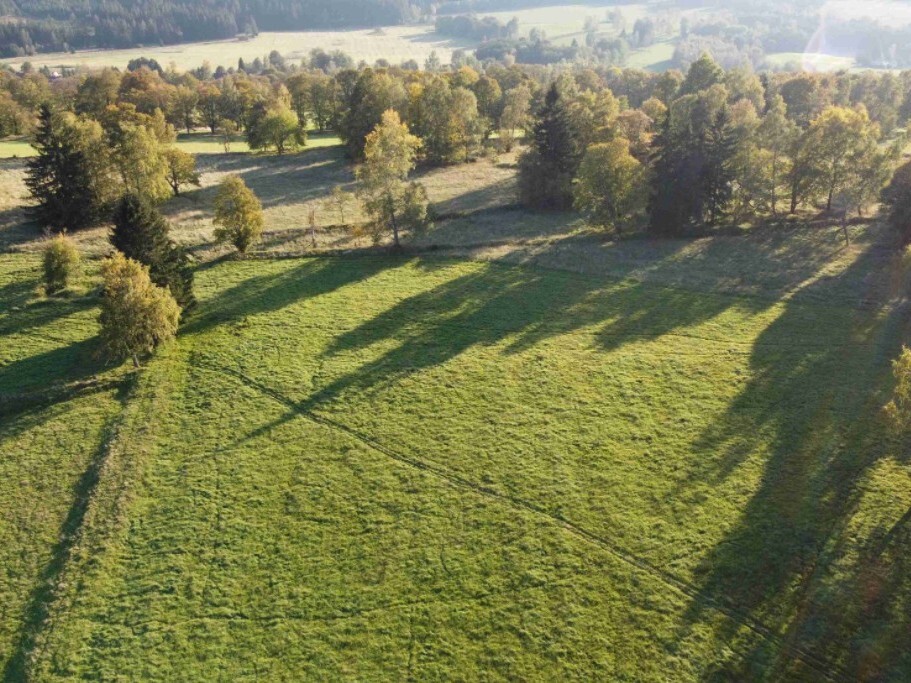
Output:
x=712 y=144
x=671 y=153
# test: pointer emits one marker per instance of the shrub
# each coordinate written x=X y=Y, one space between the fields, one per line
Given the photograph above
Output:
x=238 y=213
x=136 y=315
x=61 y=263
x=898 y=411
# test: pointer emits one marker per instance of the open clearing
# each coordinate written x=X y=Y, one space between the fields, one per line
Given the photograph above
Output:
x=561 y=24
x=194 y=143
x=398 y=467
x=515 y=451
x=808 y=61
x=394 y=43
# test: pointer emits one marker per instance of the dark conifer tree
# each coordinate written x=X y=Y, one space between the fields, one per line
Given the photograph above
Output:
x=546 y=171
x=717 y=177
x=692 y=179
x=669 y=208
x=60 y=180
x=141 y=233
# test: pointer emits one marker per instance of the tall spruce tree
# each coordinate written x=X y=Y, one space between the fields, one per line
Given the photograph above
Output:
x=59 y=177
x=546 y=171
x=717 y=177
x=693 y=174
x=142 y=234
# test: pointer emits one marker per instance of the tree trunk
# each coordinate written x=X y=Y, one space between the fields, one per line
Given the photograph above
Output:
x=395 y=230
x=774 y=196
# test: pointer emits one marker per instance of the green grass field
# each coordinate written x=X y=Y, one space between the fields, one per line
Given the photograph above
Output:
x=657 y=57
x=394 y=43
x=401 y=467
x=517 y=451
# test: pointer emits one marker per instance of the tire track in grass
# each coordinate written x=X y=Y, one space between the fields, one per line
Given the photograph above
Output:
x=97 y=517
x=828 y=669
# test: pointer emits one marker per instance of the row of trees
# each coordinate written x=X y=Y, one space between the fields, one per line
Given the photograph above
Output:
x=83 y=165
x=148 y=281
x=238 y=99
x=722 y=145
x=705 y=145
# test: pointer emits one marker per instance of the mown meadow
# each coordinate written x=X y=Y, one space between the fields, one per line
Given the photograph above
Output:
x=414 y=466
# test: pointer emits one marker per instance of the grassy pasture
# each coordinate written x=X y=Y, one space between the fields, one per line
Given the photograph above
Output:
x=808 y=61
x=394 y=43
x=657 y=57
x=51 y=445
x=289 y=186
x=539 y=454
x=398 y=467
x=562 y=23
x=194 y=143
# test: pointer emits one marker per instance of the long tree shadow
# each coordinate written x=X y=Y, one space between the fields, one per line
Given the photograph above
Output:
x=276 y=180
x=39 y=312
x=16 y=228
x=69 y=363
x=812 y=412
x=518 y=306
x=273 y=292
x=40 y=601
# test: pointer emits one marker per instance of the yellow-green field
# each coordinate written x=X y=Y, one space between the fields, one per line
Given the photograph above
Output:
x=396 y=44
x=809 y=61
x=408 y=468
x=194 y=143
x=653 y=58
x=561 y=24
x=516 y=450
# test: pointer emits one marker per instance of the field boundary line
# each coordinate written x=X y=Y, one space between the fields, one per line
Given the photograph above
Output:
x=732 y=611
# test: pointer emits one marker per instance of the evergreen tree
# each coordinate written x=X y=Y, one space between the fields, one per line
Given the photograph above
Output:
x=546 y=171
x=702 y=75
x=60 y=179
x=141 y=233
x=693 y=171
x=716 y=176
x=670 y=205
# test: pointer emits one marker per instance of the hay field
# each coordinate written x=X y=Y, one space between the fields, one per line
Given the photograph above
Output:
x=394 y=43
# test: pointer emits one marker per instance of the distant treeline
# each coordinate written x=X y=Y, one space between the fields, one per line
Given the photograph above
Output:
x=477 y=28
x=464 y=6
x=61 y=25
